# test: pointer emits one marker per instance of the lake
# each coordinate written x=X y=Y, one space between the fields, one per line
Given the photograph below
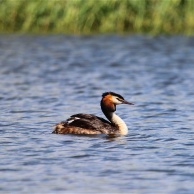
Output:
x=47 y=78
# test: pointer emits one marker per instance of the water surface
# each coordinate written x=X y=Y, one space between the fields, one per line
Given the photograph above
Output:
x=44 y=79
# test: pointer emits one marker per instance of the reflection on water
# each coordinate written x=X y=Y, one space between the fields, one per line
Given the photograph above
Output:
x=44 y=79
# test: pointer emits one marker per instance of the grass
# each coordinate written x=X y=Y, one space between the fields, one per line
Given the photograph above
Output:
x=97 y=16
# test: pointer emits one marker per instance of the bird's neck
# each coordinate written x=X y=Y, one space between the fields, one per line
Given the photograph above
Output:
x=117 y=121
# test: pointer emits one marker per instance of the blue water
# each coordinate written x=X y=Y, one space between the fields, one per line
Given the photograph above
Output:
x=45 y=79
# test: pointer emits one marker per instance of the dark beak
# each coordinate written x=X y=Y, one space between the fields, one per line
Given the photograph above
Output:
x=125 y=102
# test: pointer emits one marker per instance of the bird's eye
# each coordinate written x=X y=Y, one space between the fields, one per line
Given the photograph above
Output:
x=119 y=99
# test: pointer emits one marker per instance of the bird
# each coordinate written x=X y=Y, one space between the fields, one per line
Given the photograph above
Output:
x=87 y=124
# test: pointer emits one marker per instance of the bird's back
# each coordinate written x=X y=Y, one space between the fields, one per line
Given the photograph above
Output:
x=85 y=124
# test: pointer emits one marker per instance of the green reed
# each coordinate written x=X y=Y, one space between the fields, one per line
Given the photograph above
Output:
x=97 y=16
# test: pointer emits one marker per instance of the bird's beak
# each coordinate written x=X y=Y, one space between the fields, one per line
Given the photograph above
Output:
x=126 y=102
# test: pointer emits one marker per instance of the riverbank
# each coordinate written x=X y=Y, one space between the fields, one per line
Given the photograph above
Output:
x=103 y=16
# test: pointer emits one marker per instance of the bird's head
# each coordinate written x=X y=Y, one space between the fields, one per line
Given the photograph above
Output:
x=111 y=99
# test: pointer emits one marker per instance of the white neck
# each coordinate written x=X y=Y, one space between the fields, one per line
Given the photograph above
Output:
x=123 y=130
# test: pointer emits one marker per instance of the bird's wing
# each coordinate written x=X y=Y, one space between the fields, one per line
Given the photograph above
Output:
x=85 y=124
x=88 y=121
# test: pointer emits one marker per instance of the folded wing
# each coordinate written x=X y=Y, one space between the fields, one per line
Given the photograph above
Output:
x=84 y=124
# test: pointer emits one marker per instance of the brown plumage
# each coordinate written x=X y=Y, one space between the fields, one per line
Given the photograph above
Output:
x=84 y=124
x=91 y=124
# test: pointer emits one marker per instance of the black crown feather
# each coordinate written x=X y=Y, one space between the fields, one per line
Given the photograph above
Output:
x=113 y=94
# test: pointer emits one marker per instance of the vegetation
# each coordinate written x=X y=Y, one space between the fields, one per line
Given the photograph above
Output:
x=97 y=16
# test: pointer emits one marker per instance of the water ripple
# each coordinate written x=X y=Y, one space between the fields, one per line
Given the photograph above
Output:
x=44 y=79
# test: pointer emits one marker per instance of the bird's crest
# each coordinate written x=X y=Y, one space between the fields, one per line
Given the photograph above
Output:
x=113 y=94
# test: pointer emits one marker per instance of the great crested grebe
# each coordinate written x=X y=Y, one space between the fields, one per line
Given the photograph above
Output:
x=91 y=124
